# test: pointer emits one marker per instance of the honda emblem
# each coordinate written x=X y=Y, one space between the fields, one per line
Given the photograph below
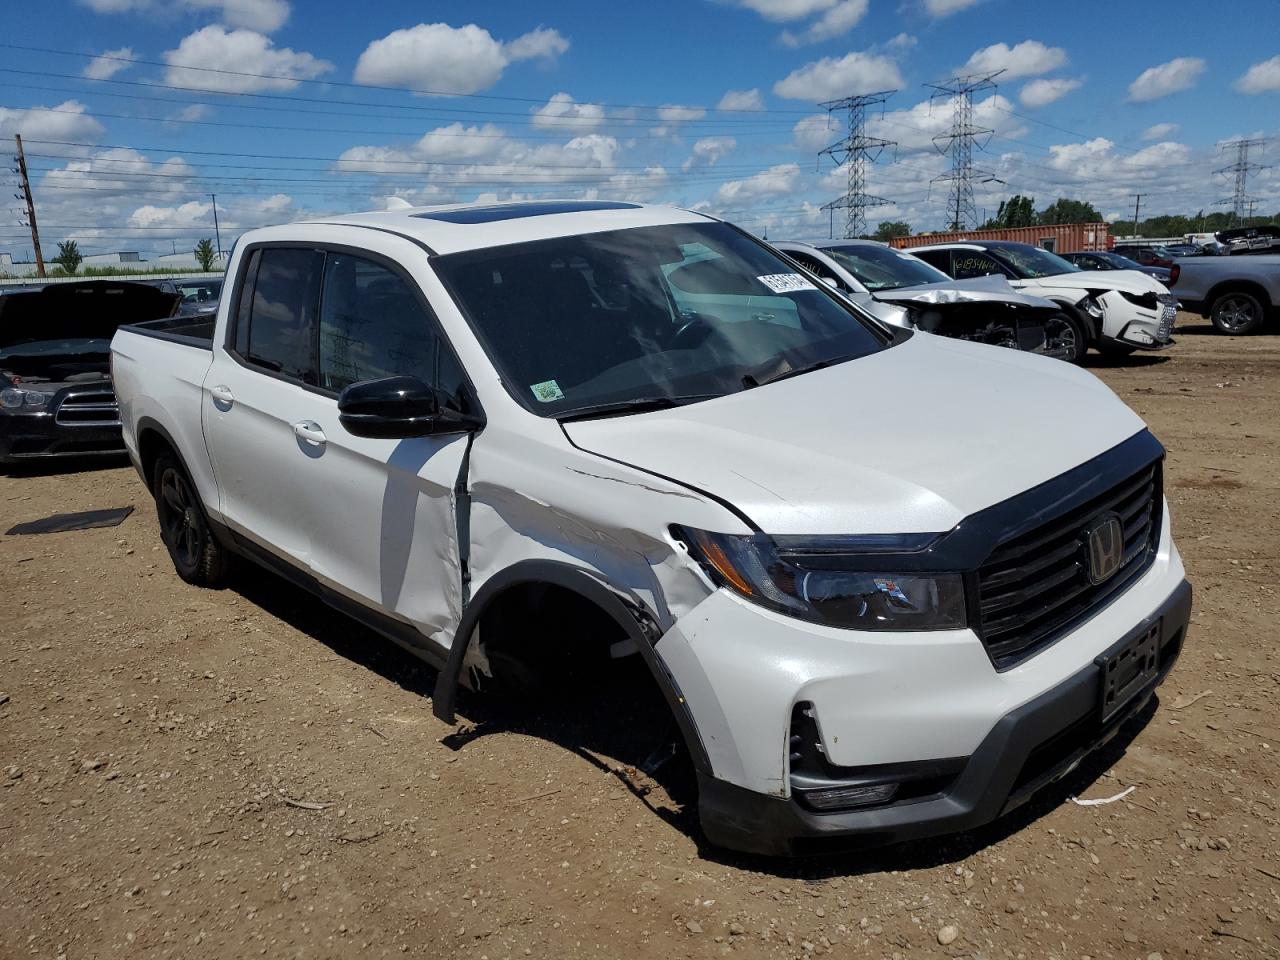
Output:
x=1104 y=542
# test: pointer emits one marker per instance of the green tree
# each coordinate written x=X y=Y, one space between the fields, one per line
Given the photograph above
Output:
x=68 y=258
x=205 y=255
x=889 y=229
x=1017 y=211
x=1063 y=210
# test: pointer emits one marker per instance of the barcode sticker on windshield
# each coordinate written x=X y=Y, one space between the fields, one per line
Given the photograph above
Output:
x=547 y=391
x=786 y=282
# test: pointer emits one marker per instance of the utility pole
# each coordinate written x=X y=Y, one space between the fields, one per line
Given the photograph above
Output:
x=1240 y=171
x=216 y=232
x=31 y=206
x=1137 y=203
x=856 y=151
x=959 y=143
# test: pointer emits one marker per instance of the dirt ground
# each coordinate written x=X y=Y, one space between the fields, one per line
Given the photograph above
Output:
x=240 y=773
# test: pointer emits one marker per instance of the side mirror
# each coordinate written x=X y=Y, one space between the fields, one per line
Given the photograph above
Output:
x=394 y=408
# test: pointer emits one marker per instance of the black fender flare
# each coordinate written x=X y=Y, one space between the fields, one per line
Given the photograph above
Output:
x=150 y=424
x=632 y=617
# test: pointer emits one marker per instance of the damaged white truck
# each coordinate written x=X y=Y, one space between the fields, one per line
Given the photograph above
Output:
x=889 y=584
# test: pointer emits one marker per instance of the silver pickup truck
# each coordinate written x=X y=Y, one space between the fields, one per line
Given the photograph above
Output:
x=1237 y=293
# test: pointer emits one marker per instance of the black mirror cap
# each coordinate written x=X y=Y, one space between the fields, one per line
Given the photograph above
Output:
x=395 y=408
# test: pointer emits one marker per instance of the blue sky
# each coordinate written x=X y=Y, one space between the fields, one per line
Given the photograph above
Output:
x=305 y=108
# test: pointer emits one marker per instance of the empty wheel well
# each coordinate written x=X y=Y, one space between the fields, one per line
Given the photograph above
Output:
x=535 y=635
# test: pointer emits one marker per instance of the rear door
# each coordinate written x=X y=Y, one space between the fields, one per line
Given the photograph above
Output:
x=261 y=385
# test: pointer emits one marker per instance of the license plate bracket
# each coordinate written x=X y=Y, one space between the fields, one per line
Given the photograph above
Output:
x=1127 y=669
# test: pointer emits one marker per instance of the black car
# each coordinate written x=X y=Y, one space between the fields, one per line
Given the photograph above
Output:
x=1104 y=260
x=56 y=398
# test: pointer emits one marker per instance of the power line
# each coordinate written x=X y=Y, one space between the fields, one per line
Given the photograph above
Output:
x=960 y=143
x=856 y=151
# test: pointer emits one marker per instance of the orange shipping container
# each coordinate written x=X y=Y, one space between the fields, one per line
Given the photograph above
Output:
x=1060 y=237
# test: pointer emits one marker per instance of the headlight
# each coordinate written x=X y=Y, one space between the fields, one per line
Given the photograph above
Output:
x=837 y=581
x=1092 y=307
x=11 y=398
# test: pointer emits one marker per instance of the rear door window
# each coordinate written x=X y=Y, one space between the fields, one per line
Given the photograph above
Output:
x=282 y=312
x=938 y=258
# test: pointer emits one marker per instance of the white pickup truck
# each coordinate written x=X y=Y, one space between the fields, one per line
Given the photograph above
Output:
x=889 y=584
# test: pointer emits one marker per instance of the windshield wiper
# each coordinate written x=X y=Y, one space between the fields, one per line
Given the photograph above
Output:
x=634 y=405
x=752 y=379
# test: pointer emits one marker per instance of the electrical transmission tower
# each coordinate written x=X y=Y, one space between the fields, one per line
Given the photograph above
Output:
x=1240 y=171
x=959 y=144
x=856 y=151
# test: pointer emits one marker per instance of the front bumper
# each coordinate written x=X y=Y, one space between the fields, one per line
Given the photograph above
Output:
x=1033 y=745
x=1134 y=326
x=36 y=436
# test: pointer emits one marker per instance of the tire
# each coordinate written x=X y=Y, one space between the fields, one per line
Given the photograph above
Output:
x=184 y=528
x=1237 y=313
x=1066 y=337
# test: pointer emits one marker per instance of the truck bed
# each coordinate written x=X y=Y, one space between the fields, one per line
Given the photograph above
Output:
x=192 y=331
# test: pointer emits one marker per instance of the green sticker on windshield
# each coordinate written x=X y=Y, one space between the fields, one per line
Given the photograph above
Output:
x=547 y=391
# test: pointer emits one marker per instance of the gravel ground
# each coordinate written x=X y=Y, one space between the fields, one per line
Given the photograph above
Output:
x=240 y=773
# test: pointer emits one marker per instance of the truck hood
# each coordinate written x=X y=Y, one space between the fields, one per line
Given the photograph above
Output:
x=908 y=440
x=1130 y=281
x=990 y=289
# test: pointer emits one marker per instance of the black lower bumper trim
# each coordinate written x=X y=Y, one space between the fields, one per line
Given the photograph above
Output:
x=1030 y=747
x=25 y=438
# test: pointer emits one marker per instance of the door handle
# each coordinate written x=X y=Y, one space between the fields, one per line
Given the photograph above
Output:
x=309 y=431
x=222 y=395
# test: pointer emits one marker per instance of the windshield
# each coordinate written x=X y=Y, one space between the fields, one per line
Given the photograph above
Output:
x=647 y=317
x=883 y=268
x=202 y=292
x=1028 y=262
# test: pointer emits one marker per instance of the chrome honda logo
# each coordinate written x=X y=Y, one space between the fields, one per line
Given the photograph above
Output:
x=1104 y=541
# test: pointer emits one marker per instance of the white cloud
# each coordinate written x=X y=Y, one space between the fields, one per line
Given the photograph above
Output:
x=1160 y=81
x=708 y=150
x=783 y=10
x=248 y=57
x=901 y=41
x=108 y=64
x=438 y=58
x=1262 y=77
x=261 y=15
x=196 y=111
x=835 y=22
x=945 y=8
x=777 y=181
x=562 y=112
x=679 y=113
x=486 y=154
x=1042 y=92
x=831 y=77
x=741 y=100
x=1096 y=159
x=914 y=128
x=69 y=120
x=1025 y=59
x=814 y=133
x=1159 y=131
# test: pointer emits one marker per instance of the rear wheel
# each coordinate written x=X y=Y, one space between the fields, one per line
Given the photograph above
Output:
x=1237 y=312
x=196 y=555
x=1065 y=338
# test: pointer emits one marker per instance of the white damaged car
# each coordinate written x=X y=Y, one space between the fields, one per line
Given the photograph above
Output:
x=1123 y=310
x=887 y=584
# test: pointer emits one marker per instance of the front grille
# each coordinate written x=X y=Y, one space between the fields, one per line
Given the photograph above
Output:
x=1034 y=587
x=1168 y=312
x=89 y=408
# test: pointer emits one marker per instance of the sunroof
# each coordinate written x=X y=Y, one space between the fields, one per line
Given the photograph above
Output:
x=517 y=211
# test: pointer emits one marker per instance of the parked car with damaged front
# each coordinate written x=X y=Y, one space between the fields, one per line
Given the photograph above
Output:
x=904 y=291
x=887 y=585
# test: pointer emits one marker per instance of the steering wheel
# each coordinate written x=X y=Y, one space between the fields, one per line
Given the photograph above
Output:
x=695 y=331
